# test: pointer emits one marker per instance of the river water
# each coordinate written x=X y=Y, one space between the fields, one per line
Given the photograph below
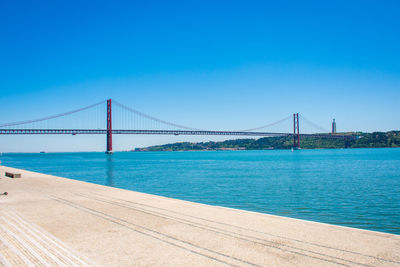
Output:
x=350 y=187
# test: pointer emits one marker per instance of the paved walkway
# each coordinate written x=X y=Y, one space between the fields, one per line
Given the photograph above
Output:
x=48 y=220
x=22 y=243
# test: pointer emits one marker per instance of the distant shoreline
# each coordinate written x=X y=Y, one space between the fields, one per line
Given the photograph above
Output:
x=363 y=140
x=272 y=149
x=209 y=150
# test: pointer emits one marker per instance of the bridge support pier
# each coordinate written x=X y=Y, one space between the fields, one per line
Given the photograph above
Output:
x=296 y=131
x=109 y=128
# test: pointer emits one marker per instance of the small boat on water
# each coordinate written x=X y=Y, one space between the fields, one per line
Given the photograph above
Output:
x=42 y=152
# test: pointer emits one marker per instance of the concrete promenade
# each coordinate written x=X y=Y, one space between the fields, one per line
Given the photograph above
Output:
x=48 y=220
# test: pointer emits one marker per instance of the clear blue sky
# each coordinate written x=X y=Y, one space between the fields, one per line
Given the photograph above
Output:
x=206 y=64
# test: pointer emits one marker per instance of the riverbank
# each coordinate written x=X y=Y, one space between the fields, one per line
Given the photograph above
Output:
x=107 y=226
x=358 y=140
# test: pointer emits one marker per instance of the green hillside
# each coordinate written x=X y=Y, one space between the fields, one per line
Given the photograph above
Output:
x=363 y=140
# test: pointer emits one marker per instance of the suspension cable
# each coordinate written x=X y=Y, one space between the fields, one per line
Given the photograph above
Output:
x=314 y=124
x=189 y=128
x=136 y=112
x=53 y=116
x=267 y=125
x=153 y=118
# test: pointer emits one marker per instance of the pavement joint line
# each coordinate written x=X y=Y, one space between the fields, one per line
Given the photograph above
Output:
x=256 y=231
x=234 y=235
x=115 y=220
x=174 y=238
x=245 y=238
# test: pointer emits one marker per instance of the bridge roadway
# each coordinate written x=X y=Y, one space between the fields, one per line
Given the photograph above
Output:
x=163 y=132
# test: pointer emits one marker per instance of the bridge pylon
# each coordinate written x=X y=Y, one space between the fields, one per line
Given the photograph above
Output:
x=109 y=127
x=296 y=131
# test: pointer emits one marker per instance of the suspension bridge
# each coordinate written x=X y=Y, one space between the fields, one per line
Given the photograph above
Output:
x=121 y=119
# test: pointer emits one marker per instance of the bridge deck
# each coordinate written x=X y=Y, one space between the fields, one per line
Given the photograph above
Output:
x=161 y=132
x=114 y=227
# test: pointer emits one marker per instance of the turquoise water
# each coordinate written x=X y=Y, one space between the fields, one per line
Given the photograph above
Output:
x=354 y=187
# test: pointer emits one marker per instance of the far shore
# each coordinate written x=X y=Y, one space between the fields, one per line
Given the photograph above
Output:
x=200 y=150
